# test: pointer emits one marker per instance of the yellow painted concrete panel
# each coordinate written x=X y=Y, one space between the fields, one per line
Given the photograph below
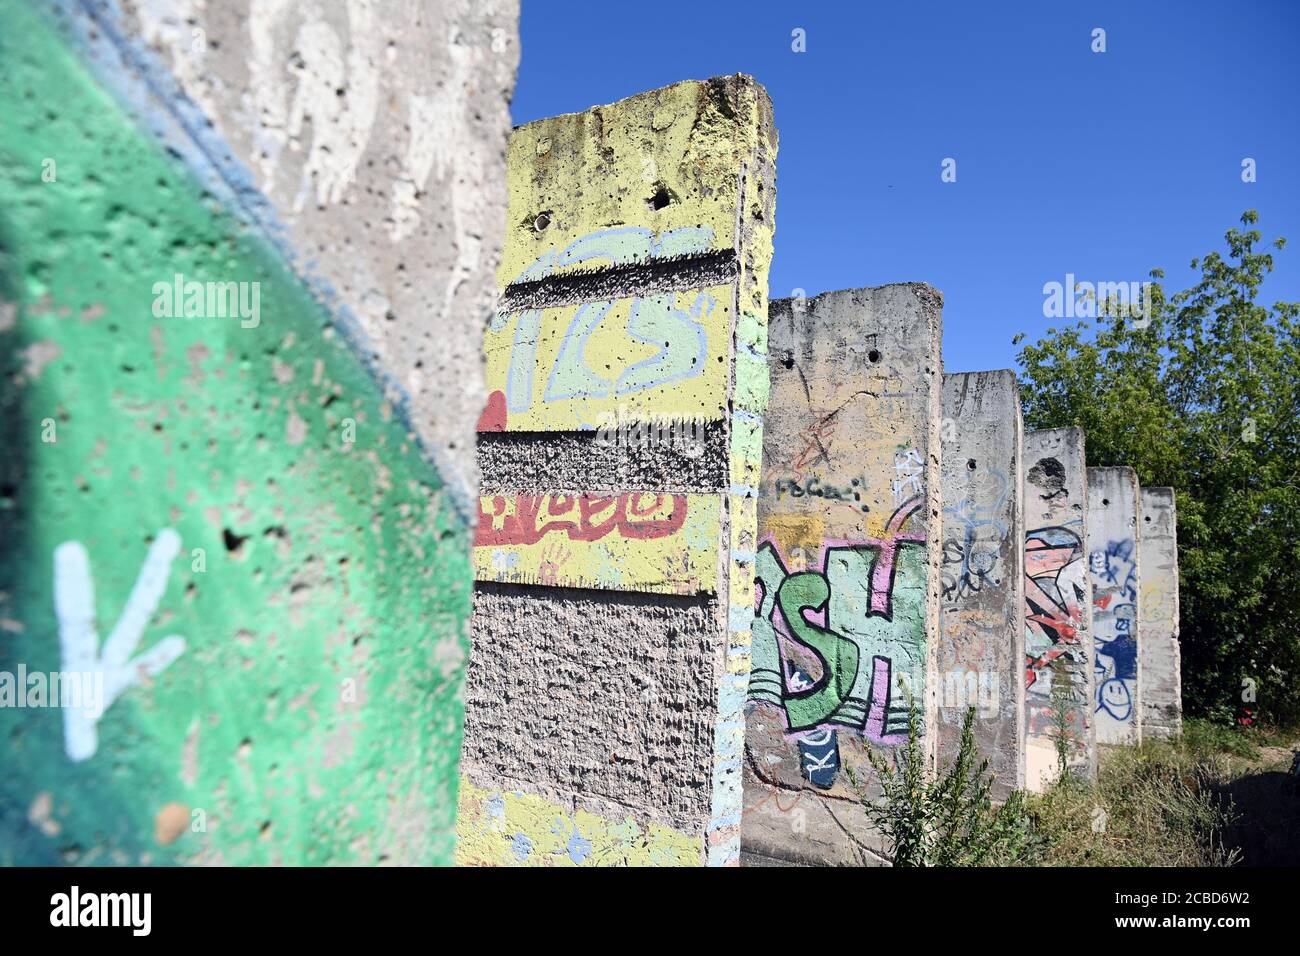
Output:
x=591 y=171
x=581 y=366
x=636 y=541
x=509 y=828
x=798 y=536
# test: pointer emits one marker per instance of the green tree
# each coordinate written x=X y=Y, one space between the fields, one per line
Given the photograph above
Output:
x=1201 y=394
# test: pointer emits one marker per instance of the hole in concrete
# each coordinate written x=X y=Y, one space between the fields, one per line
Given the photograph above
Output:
x=542 y=221
x=970 y=463
x=1105 y=501
x=1147 y=519
x=660 y=199
x=873 y=356
x=232 y=540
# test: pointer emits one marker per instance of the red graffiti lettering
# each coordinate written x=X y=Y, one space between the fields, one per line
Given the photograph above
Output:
x=526 y=519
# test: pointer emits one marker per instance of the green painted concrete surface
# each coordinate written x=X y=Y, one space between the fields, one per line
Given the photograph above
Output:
x=309 y=636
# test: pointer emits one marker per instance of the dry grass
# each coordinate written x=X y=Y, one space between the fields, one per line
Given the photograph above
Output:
x=1163 y=804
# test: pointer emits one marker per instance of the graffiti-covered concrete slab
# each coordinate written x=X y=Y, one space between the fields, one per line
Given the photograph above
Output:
x=1161 y=656
x=846 y=618
x=1060 y=686
x=982 y=636
x=234 y=532
x=620 y=450
x=1114 y=562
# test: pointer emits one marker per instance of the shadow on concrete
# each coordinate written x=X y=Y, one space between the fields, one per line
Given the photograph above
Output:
x=1267 y=830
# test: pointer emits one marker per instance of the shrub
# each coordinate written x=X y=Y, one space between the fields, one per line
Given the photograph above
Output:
x=928 y=820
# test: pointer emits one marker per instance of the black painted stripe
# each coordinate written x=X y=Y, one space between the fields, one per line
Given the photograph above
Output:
x=669 y=274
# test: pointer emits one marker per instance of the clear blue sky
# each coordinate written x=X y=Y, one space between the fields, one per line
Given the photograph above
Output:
x=1104 y=165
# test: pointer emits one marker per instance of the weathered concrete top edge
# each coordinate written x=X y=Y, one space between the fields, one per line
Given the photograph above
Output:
x=731 y=81
x=1070 y=432
x=1158 y=491
x=1122 y=472
x=994 y=373
x=922 y=289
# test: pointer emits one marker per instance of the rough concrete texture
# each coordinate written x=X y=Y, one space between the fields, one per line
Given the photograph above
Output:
x=1114 y=561
x=1060 y=685
x=847 y=621
x=627 y=705
x=1161 y=657
x=371 y=137
x=214 y=506
x=674 y=456
x=634 y=298
x=981 y=633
